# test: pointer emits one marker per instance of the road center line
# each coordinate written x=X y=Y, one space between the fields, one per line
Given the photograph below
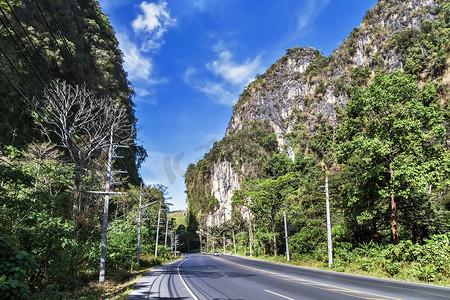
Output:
x=182 y=280
x=279 y=295
x=322 y=286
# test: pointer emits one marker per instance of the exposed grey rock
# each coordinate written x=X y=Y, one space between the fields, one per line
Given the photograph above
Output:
x=286 y=88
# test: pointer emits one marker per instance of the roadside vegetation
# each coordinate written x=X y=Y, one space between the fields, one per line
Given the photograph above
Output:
x=64 y=95
x=406 y=261
x=386 y=158
x=388 y=168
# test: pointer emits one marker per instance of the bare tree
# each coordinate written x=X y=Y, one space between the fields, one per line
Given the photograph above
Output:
x=77 y=120
x=39 y=154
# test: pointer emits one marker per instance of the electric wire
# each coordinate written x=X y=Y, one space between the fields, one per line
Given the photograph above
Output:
x=28 y=60
x=99 y=74
x=27 y=84
x=37 y=52
x=23 y=48
x=48 y=86
x=63 y=38
x=52 y=34
x=14 y=85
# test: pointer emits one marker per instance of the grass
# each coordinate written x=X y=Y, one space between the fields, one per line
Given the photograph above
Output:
x=180 y=218
x=406 y=272
x=117 y=286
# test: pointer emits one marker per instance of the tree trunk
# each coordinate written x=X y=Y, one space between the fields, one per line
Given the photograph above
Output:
x=234 y=243
x=77 y=193
x=274 y=238
x=376 y=237
x=395 y=238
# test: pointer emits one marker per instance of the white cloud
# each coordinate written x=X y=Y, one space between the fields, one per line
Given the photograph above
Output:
x=141 y=96
x=188 y=74
x=217 y=92
x=154 y=22
x=232 y=76
x=231 y=71
x=135 y=63
x=309 y=13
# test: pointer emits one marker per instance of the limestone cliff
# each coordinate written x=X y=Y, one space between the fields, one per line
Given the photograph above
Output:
x=305 y=86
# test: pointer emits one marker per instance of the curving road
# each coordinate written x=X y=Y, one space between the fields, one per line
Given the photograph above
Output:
x=231 y=277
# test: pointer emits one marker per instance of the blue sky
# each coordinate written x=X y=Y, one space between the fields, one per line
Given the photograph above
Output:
x=189 y=60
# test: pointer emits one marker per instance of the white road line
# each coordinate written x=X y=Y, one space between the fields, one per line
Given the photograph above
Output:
x=279 y=295
x=185 y=285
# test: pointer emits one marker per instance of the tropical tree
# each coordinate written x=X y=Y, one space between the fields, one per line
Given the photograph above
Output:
x=393 y=136
x=75 y=118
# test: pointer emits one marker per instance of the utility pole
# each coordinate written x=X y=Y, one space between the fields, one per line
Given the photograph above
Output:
x=224 y=242
x=286 y=233
x=107 y=192
x=250 y=233
x=176 y=242
x=139 y=224
x=139 y=221
x=234 y=243
x=167 y=227
x=330 y=243
x=157 y=230
x=207 y=239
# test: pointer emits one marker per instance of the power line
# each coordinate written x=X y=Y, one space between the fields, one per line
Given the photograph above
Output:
x=99 y=74
x=44 y=62
x=63 y=38
x=28 y=85
x=32 y=90
x=30 y=60
x=20 y=48
x=48 y=86
x=52 y=34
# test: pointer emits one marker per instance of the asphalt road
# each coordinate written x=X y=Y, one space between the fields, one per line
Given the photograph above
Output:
x=232 y=277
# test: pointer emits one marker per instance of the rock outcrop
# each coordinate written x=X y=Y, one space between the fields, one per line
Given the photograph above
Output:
x=304 y=86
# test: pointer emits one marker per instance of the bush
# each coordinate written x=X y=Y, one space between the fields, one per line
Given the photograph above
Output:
x=15 y=267
x=343 y=251
x=392 y=267
x=427 y=273
x=430 y=261
x=308 y=238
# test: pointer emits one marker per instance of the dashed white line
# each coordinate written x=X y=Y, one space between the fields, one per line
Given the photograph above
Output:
x=279 y=295
x=185 y=285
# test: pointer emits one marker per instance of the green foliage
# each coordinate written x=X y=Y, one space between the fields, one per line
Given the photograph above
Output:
x=424 y=51
x=390 y=145
x=249 y=150
x=51 y=253
x=340 y=86
x=320 y=89
x=319 y=64
x=394 y=139
x=360 y=75
x=430 y=260
x=122 y=241
x=16 y=266
x=310 y=237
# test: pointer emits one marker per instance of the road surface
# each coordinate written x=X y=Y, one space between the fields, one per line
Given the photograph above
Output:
x=231 y=277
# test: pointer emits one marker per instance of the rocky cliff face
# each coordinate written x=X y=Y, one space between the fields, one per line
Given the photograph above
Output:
x=224 y=181
x=304 y=86
x=287 y=86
